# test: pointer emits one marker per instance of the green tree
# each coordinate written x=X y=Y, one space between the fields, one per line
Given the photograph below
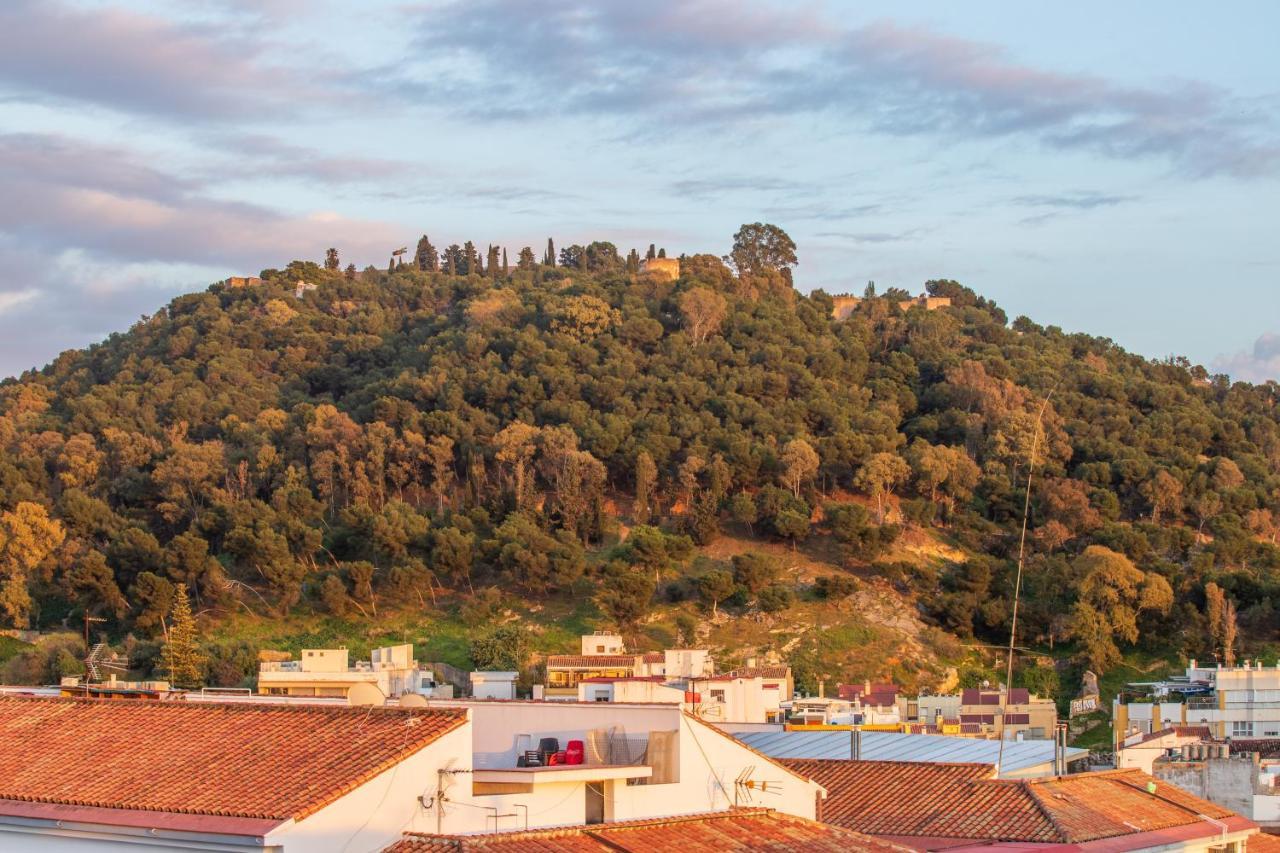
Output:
x=183 y=661
x=503 y=648
x=759 y=247
x=878 y=477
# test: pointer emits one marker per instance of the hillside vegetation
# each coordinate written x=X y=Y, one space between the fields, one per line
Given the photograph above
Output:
x=441 y=447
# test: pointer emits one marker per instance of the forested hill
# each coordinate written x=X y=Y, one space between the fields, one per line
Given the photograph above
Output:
x=414 y=437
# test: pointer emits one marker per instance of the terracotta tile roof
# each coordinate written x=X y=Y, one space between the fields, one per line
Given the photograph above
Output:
x=1176 y=731
x=654 y=657
x=591 y=660
x=1263 y=842
x=736 y=830
x=251 y=761
x=962 y=801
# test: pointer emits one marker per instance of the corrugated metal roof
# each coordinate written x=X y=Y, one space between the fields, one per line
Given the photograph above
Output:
x=1021 y=758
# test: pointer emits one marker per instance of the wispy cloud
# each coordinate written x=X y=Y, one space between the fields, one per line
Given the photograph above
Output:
x=715 y=61
x=61 y=191
x=1261 y=363
x=1080 y=200
x=144 y=64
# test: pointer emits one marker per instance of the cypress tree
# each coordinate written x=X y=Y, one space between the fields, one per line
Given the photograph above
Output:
x=662 y=253
x=426 y=255
x=505 y=269
x=549 y=259
x=181 y=654
x=652 y=254
x=391 y=265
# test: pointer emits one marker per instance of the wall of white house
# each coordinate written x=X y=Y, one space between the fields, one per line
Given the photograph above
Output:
x=382 y=809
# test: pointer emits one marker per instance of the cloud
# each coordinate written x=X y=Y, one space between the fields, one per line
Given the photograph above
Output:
x=689 y=64
x=63 y=192
x=872 y=237
x=1081 y=200
x=143 y=64
x=714 y=187
x=93 y=236
x=256 y=155
x=1259 y=364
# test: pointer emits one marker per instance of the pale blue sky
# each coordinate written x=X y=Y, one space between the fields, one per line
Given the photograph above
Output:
x=1109 y=168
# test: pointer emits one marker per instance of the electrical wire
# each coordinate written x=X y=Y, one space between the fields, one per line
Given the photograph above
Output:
x=706 y=760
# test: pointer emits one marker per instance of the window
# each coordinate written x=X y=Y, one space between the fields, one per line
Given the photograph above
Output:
x=717 y=696
x=1241 y=728
x=599 y=650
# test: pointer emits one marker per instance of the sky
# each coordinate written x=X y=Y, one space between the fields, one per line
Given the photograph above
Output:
x=1106 y=168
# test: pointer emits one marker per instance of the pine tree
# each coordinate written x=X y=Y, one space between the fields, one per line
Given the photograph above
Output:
x=181 y=653
x=351 y=271
x=525 y=261
x=549 y=259
x=492 y=261
x=331 y=261
x=633 y=261
x=662 y=253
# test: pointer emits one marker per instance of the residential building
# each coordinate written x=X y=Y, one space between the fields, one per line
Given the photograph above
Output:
x=85 y=774
x=493 y=685
x=984 y=711
x=872 y=703
x=604 y=656
x=638 y=688
x=1234 y=702
x=638 y=761
x=1140 y=751
x=328 y=672
x=734 y=699
x=89 y=774
x=1242 y=782
x=959 y=807
x=742 y=830
x=1017 y=759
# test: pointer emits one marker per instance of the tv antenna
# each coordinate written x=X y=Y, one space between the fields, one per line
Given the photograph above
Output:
x=101 y=658
x=744 y=787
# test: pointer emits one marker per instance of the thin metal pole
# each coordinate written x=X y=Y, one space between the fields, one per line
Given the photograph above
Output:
x=1017 y=585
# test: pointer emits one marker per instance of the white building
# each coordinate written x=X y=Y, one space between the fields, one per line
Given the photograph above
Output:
x=1233 y=702
x=493 y=685
x=172 y=775
x=328 y=672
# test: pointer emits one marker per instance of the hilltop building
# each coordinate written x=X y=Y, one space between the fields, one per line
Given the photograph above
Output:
x=844 y=305
x=243 y=281
x=664 y=268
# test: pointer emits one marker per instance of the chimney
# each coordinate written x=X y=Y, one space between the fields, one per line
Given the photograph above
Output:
x=822 y=687
x=866 y=687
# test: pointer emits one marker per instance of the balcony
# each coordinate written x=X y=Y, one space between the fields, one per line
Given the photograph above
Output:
x=638 y=759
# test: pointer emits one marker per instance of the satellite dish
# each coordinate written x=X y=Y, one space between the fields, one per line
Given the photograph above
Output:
x=413 y=700
x=364 y=694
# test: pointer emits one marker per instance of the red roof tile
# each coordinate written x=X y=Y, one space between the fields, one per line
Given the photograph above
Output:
x=654 y=657
x=252 y=761
x=1176 y=731
x=579 y=661
x=737 y=830
x=962 y=801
